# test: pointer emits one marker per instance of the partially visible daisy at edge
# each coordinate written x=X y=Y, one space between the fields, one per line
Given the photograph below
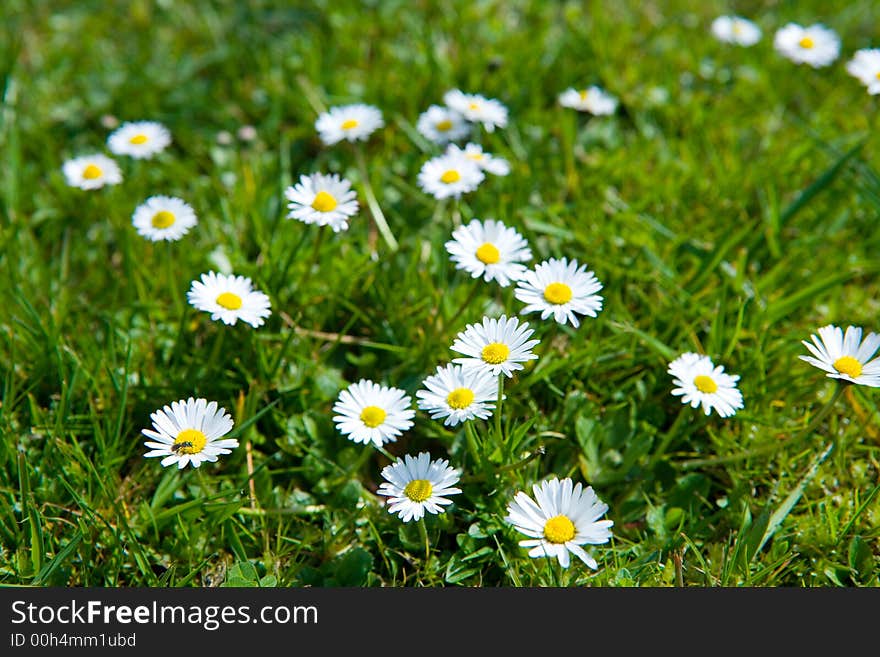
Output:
x=91 y=171
x=593 y=99
x=562 y=517
x=865 y=66
x=736 y=30
x=163 y=218
x=700 y=382
x=487 y=162
x=442 y=125
x=325 y=200
x=815 y=45
x=490 y=250
x=189 y=432
x=416 y=484
x=367 y=412
x=489 y=112
x=449 y=176
x=456 y=395
x=560 y=289
x=139 y=139
x=229 y=299
x=355 y=122
x=497 y=346
x=845 y=356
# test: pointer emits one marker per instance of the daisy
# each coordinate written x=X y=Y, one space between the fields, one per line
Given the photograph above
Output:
x=489 y=249
x=350 y=122
x=163 y=218
x=477 y=109
x=497 y=346
x=323 y=200
x=139 y=139
x=441 y=125
x=815 y=45
x=418 y=484
x=458 y=395
x=497 y=166
x=564 y=518
x=91 y=171
x=229 y=299
x=449 y=175
x=846 y=356
x=865 y=65
x=699 y=381
x=371 y=413
x=560 y=288
x=735 y=29
x=592 y=99
x=189 y=432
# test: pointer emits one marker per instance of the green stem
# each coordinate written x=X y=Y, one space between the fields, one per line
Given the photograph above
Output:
x=670 y=434
x=505 y=468
x=423 y=532
x=290 y=256
x=467 y=302
x=373 y=204
x=498 y=433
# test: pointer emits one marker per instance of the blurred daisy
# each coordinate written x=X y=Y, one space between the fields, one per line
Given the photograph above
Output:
x=163 y=218
x=477 y=109
x=560 y=288
x=497 y=346
x=371 y=413
x=91 y=171
x=865 y=65
x=139 y=139
x=735 y=29
x=350 y=122
x=815 y=45
x=458 y=395
x=564 y=518
x=489 y=249
x=326 y=200
x=699 y=381
x=229 y=299
x=189 y=432
x=845 y=356
x=592 y=99
x=449 y=175
x=497 y=166
x=441 y=125
x=418 y=484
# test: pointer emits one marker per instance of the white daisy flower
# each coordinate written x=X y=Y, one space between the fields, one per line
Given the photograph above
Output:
x=350 y=122
x=489 y=249
x=815 y=45
x=458 y=395
x=418 y=484
x=229 y=299
x=441 y=125
x=139 y=139
x=846 y=357
x=735 y=29
x=564 y=518
x=593 y=99
x=477 y=109
x=497 y=346
x=189 y=432
x=497 y=166
x=865 y=65
x=699 y=381
x=163 y=218
x=371 y=413
x=449 y=175
x=560 y=288
x=326 y=200
x=91 y=171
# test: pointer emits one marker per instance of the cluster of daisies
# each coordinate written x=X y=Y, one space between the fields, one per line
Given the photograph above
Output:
x=816 y=45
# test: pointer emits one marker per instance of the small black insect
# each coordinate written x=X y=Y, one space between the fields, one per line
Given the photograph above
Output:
x=178 y=446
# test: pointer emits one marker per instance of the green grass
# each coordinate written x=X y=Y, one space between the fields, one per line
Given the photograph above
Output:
x=729 y=207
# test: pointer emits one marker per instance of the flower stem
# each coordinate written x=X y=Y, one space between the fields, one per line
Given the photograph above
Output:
x=423 y=532
x=498 y=432
x=373 y=204
x=467 y=302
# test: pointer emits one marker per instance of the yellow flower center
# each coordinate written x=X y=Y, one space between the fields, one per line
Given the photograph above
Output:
x=557 y=293
x=450 y=176
x=849 y=366
x=443 y=125
x=418 y=490
x=460 y=398
x=91 y=172
x=163 y=219
x=495 y=353
x=476 y=157
x=705 y=384
x=373 y=416
x=324 y=202
x=584 y=94
x=737 y=28
x=559 y=529
x=877 y=75
x=806 y=43
x=349 y=124
x=189 y=441
x=474 y=106
x=488 y=254
x=137 y=140
x=229 y=301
